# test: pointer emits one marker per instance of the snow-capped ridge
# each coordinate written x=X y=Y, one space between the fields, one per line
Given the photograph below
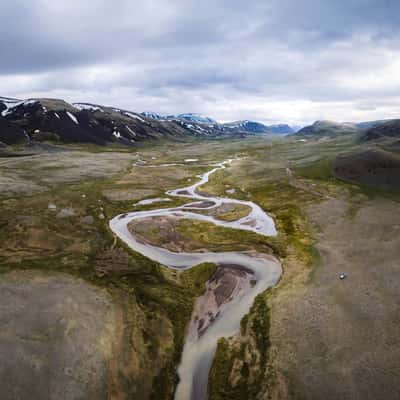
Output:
x=87 y=106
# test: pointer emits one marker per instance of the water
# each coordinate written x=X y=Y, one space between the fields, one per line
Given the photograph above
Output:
x=198 y=352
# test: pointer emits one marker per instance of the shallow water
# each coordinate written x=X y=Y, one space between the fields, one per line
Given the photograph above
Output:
x=198 y=352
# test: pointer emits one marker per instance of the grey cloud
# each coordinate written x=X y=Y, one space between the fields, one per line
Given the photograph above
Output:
x=162 y=51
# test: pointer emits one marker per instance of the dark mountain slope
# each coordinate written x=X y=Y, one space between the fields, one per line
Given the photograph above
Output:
x=11 y=133
x=236 y=127
x=54 y=119
x=328 y=128
x=334 y=129
x=389 y=129
x=373 y=167
x=281 y=129
x=254 y=127
x=371 y=124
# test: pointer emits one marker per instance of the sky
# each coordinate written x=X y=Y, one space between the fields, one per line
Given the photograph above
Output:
x=274 y=61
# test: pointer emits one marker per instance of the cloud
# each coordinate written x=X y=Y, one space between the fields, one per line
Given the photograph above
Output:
x=275 y=61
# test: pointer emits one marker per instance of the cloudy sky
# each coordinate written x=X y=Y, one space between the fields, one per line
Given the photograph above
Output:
x=292 y=61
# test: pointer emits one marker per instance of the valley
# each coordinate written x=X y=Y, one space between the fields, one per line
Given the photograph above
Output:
x=200 y=200
x=139 y=314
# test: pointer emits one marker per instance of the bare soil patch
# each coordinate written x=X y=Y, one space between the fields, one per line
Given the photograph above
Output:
x=56 y=337
x=340 y=339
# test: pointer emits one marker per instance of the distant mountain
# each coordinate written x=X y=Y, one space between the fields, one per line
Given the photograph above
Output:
x=254 y=127
x=296 y=128
x=328 y=128
x=196 y=118
x=332 y=129
x=246 y=126
x=376 y=162
x=43 y=119
x=372 y=124
x=188 y=117
x=281 y=129
x=54 y=119
x=385 y=130
x=153 y=115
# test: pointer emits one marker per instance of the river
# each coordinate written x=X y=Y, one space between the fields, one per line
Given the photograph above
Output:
x=198 y=352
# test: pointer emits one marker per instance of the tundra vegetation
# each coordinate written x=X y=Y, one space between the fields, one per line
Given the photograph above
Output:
x=55 y=206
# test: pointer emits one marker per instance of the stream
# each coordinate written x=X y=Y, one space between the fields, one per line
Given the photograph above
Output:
x=199 y=350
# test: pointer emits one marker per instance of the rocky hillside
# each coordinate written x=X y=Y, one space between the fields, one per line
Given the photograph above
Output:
x=367 y=130
x=387 y=129
x=57 y=120
x=256 y=127
x=243 y=126
x=376 y=167
x=44 y=119
x=11 y=133
x=328 y=128
x=188 y=117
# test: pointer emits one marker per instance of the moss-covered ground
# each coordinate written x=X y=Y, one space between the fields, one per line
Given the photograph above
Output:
x=283 y=176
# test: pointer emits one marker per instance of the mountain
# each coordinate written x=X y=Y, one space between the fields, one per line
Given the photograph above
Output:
x=6 y=102
x=372 y=124
x=247 y=126
x=332 y=129
x=11 y=133
x=283 y=129
x=244 y=126
x=296 y=128
x=196 y=118
x=372 y=167
x=153 y=115
x=376 y=162
x=188 y=117
x=385 y=130
x=44 y=119
x=328 y=128
x=54 y=119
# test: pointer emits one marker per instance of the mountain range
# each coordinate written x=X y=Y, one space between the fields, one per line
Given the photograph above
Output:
x=373 y=158
x=44 y=119
x=366 y=130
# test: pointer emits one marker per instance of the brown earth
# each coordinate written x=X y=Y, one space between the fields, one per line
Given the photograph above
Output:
x=227 y=282
x=56 y=337
x=334 y=339
x=377 y=168
x=63 y=338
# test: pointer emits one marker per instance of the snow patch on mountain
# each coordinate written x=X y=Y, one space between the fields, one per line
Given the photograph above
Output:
x=117 y=134
x=197 y=118
x=72 y=116
x=187 y=117
x=130 y=130
x=154 y=115
x=87 y=106
x=134 y=116
x=11 y=106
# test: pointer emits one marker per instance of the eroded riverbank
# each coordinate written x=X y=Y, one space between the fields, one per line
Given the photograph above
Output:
x=263 y=269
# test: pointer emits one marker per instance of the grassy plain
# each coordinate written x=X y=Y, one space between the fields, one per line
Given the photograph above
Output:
x=305 y=332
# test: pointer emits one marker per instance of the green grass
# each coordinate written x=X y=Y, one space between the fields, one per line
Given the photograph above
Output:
x=33 y=238
x=321 y=169
x=92 y=253
x=239 y=371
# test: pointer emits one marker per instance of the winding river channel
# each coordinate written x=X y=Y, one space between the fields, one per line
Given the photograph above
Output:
x=199 y=350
